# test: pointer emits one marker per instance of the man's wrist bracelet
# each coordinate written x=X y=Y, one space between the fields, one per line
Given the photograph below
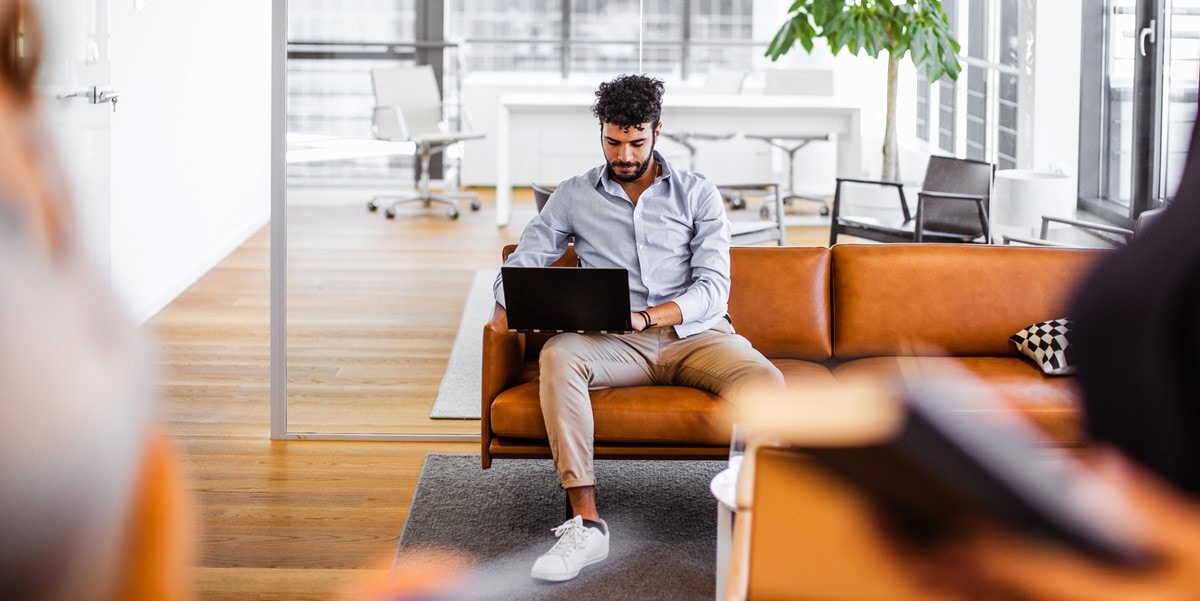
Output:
x=646 y=316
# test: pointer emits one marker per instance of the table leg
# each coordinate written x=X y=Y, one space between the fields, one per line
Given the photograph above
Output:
x=503 y=177
x=724 y=542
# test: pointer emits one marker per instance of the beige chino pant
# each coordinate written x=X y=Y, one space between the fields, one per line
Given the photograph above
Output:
x=716 y=360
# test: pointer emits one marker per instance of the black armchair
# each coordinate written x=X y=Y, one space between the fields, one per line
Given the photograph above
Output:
x=1104 y=233
x=952 y=206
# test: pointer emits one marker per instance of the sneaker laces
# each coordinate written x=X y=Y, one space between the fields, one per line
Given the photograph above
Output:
x=572 y=535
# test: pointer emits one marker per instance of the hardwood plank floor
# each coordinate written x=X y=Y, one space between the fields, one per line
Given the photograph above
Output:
x=374 y=308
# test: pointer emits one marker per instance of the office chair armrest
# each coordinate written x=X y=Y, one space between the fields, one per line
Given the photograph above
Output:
x=1087 y=225
x=878 y=182
x=837 y=194
x=951 y=196
x=387 y=123
x=1032 y=241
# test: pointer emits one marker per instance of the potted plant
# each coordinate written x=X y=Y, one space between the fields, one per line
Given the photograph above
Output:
x=916 y=28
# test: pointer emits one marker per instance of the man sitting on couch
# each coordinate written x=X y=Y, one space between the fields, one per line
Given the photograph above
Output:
x=668 y=229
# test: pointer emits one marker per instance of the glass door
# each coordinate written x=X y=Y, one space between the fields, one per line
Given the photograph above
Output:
x=1138 y=103
x=364 y=306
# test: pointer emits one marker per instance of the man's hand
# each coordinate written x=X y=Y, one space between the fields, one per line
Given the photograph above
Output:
x=666 y=314
x=637 y=322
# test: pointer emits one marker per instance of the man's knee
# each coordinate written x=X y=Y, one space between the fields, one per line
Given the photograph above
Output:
x=760 y=374
x=561 y=349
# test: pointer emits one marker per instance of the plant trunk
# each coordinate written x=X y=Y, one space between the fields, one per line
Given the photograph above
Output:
x=891 y=155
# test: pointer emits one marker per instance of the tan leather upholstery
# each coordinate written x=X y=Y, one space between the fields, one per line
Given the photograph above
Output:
x=819 y=315
x=158 y=543
x=1051 y=402
x=779 y=300
x=643 y=414
x=809 y=536
x=950 y=299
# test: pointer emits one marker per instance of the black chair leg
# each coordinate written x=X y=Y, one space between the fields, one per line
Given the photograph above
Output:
x=570 y=511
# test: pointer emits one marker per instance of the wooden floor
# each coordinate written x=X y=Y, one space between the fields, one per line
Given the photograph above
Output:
x=374 y=308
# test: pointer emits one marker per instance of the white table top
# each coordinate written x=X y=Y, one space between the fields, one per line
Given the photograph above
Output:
x=724 y=488
x=307 y=148
x=702 y=101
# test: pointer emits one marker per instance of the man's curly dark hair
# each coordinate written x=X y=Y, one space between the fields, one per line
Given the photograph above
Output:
x=629 y=101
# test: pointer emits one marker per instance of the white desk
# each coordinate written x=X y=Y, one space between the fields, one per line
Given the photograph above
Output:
x=307 y=148
x=540 y=116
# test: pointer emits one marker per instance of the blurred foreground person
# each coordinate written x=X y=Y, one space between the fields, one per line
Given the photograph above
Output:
x=1136 y=339
x=90 y=503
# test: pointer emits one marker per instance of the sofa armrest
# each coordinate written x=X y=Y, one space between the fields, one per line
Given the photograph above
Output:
x=503 y=353
x=846 y=554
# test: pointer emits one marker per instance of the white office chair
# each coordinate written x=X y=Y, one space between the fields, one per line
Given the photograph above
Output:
x=798 y=82
x=408 y=108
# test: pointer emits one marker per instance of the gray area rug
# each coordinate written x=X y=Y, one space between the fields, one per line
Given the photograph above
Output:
x=661 y=516
x=459 y=393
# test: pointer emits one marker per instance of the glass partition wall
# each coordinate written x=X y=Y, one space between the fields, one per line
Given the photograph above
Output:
x=371 y=304
x=366 y=310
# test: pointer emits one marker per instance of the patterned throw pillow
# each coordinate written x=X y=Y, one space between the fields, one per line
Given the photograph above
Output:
x=1046 y=343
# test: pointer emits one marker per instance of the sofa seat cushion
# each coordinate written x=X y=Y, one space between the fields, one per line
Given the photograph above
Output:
x=637 y=414
x=1052 y=403
x=798 y=372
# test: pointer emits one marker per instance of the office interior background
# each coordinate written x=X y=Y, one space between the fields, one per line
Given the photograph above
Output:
x=1017 y=102
x=1051 y=86
x=1056 y=86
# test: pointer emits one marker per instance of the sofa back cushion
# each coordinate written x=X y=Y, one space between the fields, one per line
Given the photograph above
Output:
x=902 y=299
x=779 y=300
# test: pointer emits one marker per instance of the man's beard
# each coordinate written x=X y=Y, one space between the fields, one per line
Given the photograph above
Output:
x=641 y=169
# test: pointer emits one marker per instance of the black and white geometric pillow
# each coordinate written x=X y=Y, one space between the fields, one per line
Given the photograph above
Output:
x=1046 y=343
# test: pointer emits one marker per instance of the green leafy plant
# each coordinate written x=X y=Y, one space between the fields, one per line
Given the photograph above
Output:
x=916 y=28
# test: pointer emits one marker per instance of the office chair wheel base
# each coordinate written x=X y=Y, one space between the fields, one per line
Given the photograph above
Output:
x=452 y=213
x=390 y=213
x=475 y=204
x=372 y=206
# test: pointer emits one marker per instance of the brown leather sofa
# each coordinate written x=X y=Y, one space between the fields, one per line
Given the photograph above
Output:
x=821 y=315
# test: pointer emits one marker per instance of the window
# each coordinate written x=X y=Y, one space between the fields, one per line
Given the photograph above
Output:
x=976 y=115
x=333 y=45
x=681 y=37
x=1139 y=103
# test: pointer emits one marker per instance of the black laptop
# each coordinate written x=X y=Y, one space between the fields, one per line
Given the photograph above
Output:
x=567 y=299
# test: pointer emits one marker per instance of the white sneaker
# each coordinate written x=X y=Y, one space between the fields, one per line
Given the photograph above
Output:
x=578 y=546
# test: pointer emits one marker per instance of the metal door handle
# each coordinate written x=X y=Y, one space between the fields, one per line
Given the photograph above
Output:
x=1146 y=31
x=94 y=95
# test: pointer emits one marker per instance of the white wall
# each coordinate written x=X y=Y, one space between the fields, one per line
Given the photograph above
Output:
x=191 y=141
x=1057 y=47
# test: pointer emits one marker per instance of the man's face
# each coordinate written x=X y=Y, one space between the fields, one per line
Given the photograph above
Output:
x=628 y=150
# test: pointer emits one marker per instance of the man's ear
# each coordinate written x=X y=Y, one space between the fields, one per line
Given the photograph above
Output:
x=658 y=129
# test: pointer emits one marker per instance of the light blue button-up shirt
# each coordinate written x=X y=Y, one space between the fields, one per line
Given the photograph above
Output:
x=674 y=242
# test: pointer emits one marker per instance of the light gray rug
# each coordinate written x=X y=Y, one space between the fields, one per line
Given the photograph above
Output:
x=661 y=516
x=459 y=394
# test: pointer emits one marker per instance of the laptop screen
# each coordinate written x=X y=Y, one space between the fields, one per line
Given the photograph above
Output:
x=566 y=299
